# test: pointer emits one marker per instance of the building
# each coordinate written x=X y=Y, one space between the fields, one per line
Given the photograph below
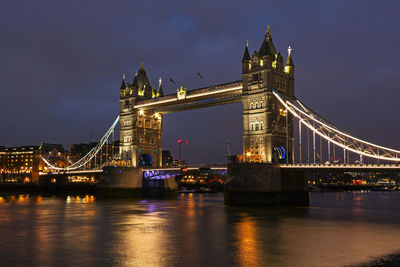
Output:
x=140 y=130
x=167 y=159
x=105 y=156
x=23 y=163
x=264 y=118
x=203 y=179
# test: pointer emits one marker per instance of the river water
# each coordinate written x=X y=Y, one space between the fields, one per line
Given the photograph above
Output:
x=338 y=229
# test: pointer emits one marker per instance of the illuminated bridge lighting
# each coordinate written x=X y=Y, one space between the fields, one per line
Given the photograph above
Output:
x=331 y=133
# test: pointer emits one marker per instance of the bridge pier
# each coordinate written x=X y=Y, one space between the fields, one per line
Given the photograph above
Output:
x=262 y=184
x=125 y=182
x=120 y=182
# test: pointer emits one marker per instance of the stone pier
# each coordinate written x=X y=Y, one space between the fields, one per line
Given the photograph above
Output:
x=126 y=182
x=253 y=184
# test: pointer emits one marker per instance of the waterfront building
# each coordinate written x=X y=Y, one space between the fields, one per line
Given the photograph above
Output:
x=22 y=164
x=200 y=179
x=107 y=154
x=167 y=159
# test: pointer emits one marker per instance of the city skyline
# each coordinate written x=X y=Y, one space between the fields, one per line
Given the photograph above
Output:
x=62 y=72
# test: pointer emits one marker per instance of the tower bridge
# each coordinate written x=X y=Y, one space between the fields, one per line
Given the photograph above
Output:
x=267 y=171
x=265 y=137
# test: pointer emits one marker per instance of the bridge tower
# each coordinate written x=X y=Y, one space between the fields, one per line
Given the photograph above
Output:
x=264 y=119
x=140 y=130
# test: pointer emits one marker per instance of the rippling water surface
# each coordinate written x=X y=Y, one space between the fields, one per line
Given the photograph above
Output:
x=197 y=230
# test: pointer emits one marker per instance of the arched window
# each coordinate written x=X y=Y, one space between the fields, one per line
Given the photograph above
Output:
x=257 y=126
x=251 y=105
x=261 y=104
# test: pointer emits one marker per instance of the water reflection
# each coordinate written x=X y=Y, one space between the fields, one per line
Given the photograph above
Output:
x=248 y=248
x=197 y=230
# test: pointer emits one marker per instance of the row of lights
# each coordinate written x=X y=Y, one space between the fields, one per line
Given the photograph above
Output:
x=156 y=115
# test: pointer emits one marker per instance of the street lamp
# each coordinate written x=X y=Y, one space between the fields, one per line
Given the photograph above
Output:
x=248 y=155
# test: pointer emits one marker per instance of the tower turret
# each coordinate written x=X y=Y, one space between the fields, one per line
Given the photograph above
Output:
x=145 y=90
x=289 y=62
x=289 y=71
x=246 y=61
x=123 y=85
x=160 y=89
x=267 y=47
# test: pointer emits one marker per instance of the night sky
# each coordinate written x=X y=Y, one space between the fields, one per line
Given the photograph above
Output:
x=61 y=64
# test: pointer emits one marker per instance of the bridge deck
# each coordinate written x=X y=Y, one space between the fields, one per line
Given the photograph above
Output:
x=343 y=167
x=207 y=96
x=70 y=172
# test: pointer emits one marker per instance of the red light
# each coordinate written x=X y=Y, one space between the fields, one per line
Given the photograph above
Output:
x=186 y=142
x=180 y=141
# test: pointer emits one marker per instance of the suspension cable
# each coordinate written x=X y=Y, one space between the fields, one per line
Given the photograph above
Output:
x=296 y=112
x=89 y=156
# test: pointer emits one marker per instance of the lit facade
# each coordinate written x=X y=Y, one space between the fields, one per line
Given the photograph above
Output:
x=140 y=130
x=23 y=163
x=264 y=118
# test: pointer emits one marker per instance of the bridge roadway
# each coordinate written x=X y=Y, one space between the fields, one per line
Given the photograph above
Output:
x=342 y=167
x=192 y=99
x=295 y=166
x=189 y=168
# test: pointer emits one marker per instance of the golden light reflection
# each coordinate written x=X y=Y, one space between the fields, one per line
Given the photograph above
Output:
x=2 y=200
x=141 y=239
x=248 y=247
x=78 y=199
x=21 y=198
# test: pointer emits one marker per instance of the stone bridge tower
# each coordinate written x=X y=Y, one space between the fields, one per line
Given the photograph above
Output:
x=140 y=130
x=264 y=119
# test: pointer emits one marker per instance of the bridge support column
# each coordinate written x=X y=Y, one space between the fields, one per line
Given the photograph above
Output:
x=120 y=183
x=160 y=188
x=261 y=184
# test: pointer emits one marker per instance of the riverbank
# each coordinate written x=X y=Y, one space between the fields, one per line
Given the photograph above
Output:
x=344 y=188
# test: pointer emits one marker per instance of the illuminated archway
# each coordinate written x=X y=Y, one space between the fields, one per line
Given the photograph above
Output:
x=279 y=154
x=145 y=160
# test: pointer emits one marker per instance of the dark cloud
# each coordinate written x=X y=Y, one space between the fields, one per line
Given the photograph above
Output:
x=61 y=64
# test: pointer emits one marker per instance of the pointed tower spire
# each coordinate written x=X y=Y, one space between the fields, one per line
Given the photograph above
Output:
x=246 y=55
x=134 y=83
x=160 y=90
x=289 y=67
x=289 y=60
x=141 y=67
x=267 y=48
x=123 y=85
